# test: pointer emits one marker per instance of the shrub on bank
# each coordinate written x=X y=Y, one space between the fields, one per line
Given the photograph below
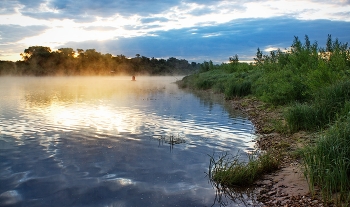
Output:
x=208 y=80
x=279 y=87
x=313 y=84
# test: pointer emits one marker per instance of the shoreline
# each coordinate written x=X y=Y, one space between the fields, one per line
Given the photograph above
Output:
x=287 y=186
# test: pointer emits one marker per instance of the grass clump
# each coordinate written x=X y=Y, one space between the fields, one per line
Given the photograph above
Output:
x=327 y=163
x=239 y=88
x=230 y=171
x=301 y=117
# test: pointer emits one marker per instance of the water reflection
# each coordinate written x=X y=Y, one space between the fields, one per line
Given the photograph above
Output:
x=239 y=196
x=105 y=141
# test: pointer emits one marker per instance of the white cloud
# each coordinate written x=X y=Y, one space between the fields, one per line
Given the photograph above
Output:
x=67 y=21
x=270 y=48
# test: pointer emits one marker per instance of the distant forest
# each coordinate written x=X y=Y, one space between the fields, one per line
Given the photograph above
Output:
x=41 y=61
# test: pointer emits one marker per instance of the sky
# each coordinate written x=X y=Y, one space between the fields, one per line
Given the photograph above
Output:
x=195 y=30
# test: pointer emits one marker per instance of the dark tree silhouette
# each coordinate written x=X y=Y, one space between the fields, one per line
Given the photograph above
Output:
x=41 y=61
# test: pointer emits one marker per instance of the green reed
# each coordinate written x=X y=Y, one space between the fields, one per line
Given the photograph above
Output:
x=230 y=171
x=327 y=163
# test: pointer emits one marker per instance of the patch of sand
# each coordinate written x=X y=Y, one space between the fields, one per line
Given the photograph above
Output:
x=287 y=186
x=289 y=180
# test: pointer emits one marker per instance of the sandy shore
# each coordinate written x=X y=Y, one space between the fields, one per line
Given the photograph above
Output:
x=287 y=186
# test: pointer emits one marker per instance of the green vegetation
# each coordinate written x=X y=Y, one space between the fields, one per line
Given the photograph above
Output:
x=41 y=61
x=312 y=84
x=322 y=110
x=231 y=172
x=327 y=163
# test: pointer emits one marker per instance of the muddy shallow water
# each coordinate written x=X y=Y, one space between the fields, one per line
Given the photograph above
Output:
x=110 y=141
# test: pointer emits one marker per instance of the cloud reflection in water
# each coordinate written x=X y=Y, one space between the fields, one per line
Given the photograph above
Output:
x=94 y=138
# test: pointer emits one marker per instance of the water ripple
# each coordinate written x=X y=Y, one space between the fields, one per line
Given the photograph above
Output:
x=71 y=137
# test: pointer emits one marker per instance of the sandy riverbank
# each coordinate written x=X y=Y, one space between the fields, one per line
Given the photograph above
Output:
x=287 y=186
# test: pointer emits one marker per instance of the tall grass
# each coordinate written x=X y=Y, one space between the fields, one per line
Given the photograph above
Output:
x=230 y=171
x=327 y=163
x=328 y=102
x=301 y=117
x=238 y=88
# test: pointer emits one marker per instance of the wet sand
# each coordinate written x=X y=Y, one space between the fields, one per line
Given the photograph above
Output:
x=287 y=186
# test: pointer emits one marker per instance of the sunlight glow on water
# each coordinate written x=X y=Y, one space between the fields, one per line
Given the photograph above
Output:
x=108 y=135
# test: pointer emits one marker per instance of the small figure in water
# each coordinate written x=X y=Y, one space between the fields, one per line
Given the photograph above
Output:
x=133 y=78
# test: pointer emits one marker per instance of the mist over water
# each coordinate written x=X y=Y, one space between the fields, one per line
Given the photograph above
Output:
x=110 y=141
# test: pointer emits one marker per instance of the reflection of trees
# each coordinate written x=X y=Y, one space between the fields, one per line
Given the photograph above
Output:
x=45 y=91
x=39 y=99
x=210 y=99
x=41 y=61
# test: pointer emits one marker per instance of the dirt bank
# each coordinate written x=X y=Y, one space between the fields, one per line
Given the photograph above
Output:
x=287 y=186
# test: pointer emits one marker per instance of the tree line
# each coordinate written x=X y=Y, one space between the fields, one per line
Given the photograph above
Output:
x=42 y=61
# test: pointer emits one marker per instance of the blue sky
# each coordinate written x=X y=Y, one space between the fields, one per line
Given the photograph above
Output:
x=188 y=29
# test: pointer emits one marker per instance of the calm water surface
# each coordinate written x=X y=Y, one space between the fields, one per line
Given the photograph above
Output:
x=110 y=141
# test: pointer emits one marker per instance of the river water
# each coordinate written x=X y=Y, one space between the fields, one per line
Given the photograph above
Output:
x=110 y=141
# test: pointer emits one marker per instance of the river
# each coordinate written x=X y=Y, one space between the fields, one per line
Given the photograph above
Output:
x=110 y=141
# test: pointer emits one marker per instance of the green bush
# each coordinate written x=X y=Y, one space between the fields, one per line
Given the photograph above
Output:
x=208 y=79
x=236 y=67
x=321 y=77
x=279 y=87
